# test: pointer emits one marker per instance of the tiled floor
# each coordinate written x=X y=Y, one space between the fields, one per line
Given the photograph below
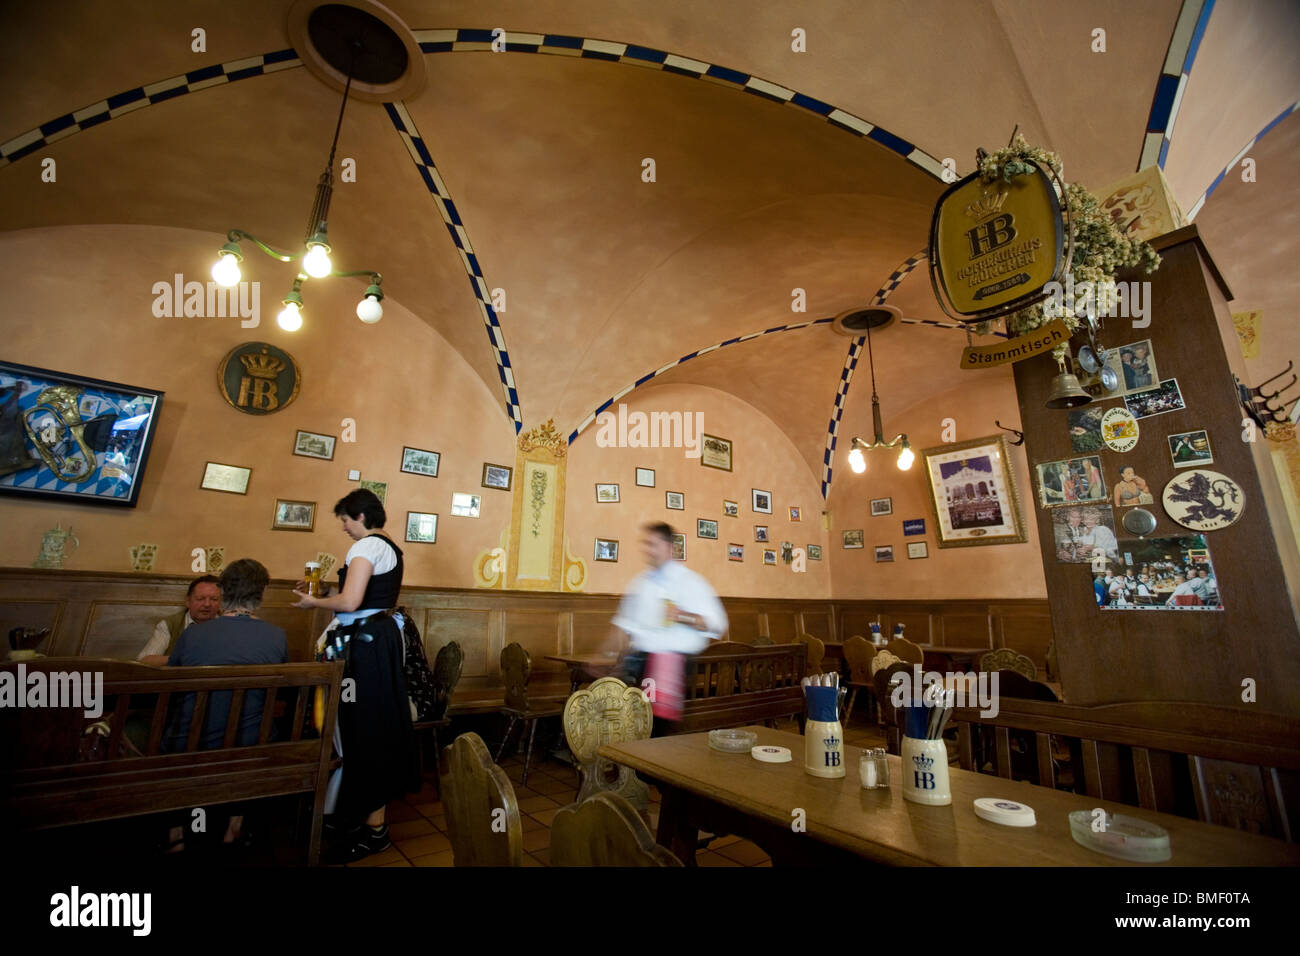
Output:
x=418 y=825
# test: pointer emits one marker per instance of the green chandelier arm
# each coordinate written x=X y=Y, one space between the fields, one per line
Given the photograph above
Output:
x=375 y=277
x=237 y=234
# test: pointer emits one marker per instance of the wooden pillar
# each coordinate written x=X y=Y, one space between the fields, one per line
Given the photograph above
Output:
x=1108 y=656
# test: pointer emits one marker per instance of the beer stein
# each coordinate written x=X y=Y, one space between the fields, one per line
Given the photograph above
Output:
x=925 y=771
x=823 y=735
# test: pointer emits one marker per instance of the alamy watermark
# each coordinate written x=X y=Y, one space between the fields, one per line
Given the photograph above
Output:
x=208 y=300
x=77 y=908
x=1125 y=300
x=651 y=430
x=971 y=689
x=73 y=689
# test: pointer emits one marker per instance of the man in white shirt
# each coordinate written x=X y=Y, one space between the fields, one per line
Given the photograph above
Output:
x=1096 y=535
x=202 y=603
x=668 y=608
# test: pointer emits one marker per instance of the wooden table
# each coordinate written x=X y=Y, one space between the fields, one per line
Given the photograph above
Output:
x=585 y=667
x=734 y=793
x=956 y=658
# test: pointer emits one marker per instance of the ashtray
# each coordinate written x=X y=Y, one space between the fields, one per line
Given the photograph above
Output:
x=732 y=741
x=1125 y=837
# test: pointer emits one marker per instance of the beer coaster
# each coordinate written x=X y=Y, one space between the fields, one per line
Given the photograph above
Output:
x=1006 y=812
x=771 y=754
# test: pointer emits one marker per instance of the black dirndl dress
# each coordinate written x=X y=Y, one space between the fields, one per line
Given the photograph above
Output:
x=380 y=762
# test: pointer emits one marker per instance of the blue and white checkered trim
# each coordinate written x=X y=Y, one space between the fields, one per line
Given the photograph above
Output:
x=573 y=435
x=841 y=397
x=1188 y=33
x=898 y=275
x=130 y=100
x=414 y=143
x=447 y=41
x=1196 y=207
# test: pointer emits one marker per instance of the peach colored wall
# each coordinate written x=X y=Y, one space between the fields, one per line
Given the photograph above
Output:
x=1003 y=571
x=763 y=457
x=79 y=300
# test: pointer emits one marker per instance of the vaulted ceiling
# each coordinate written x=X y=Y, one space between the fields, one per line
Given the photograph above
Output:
x=609 y=278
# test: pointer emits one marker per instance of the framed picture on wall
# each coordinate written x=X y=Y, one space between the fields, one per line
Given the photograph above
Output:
x=606 y=493
x=312 y=445
x=417 y=461
x=814 y=552
x=918 y=549
x=730 y=509
x=645 y=477
x=735 y=552
x=465 y=505
x=706 y=528
x=378 y=488
x=882 y=506
x=606 y=549
x=794 y=513
x=769 y=556
x=760 y=532
x=885 y=552
x=496 y=476
x=761 y=501
x=674 y=501
x=972 y=493
x=421 y=527
x=73 y=438
x=853 y=539
x=232 y=479
x=715 y=452
x=293 y=515
x=679 y=547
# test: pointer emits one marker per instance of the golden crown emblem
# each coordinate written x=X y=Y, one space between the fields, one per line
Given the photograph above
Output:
x=262 y=366
x=987 y=206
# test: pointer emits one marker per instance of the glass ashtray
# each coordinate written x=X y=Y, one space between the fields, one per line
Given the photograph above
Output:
x=1125 y=837
x=732 y=741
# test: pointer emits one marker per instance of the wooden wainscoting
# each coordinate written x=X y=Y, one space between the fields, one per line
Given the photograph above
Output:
x=105 y=614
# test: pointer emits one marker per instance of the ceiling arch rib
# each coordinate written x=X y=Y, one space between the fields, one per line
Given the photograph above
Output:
x=1200 y=202
x=1189 y=30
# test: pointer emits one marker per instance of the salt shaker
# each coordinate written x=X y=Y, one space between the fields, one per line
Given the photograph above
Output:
x=873 y=769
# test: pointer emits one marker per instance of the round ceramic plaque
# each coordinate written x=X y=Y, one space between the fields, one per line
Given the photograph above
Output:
x=1204 y=500
x=1119 y=429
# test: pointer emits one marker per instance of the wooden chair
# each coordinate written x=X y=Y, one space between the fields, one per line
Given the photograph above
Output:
x=516 y=669
x=816 y=651
x=607 y=712
x=1228 y=766
x=1023 y=755
x=604 y=831
x=905 y=651
x=723 y=679
x=483 y=821
x=763 y=641
x=446 y=675
x=888 y=712
x=1006 y=659
x=858 y=652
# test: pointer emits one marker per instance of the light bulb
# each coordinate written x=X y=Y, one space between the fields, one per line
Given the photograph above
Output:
x=857 y=461
x=226 y=272
x=317 y=261
x=905 y=458
x=290 y=318
x=369 y=310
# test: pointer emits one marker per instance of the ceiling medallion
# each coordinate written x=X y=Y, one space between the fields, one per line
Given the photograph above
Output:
x=323 y=35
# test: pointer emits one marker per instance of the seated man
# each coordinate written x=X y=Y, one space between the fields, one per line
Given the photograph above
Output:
x=202 y=603
x=234 y=637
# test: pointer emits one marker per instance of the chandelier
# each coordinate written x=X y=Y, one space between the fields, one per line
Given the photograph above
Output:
x=314 y=259
x=857 y=460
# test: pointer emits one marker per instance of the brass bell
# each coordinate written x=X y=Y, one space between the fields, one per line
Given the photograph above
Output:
x=1066 y=392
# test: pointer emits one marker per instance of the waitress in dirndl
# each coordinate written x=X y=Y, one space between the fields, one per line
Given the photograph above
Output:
x=374 y=734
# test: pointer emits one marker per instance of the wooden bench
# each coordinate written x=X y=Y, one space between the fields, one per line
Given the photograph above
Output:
x=735 y=688
x=1229 y=766
x=58 y=768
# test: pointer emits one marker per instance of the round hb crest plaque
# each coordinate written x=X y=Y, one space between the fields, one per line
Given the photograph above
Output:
x=1204 y=500
x=257 y=378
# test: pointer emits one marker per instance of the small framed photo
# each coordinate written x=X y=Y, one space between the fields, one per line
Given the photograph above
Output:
x=918 y=549
x=735 y=552
x=421 y=527
x=769 y=556
x=674 y=501
x=679 y=547
x=417 y=461
x=715 y=452
x=606 y=494
x=730 y=509
x=1165 y=397
x=882 y=506
x=496 y=476
x=760 y=532
x=312 y=445
x=885 y=552
x=787 y=551
x=645 y=477
x=606 y=549
x=293 y=515
x=794 y=513
x=1070 y=480
x=465 y=505
x=761 y=501
x=378 y=488
x=814 y=552
x=1188 y=449
x=228 y=478
x=853 y=539
x=706 y=528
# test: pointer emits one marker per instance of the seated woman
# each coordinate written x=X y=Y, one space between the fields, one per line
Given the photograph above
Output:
x=235 y=636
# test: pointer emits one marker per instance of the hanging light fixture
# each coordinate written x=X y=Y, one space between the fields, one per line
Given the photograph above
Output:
x=857 y=460
x=315 y=256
